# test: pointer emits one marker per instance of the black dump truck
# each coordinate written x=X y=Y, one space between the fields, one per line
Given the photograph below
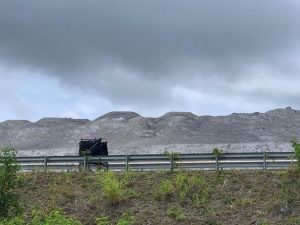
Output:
x=94 y=147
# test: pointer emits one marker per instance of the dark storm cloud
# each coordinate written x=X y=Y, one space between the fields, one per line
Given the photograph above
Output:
x=138 y=51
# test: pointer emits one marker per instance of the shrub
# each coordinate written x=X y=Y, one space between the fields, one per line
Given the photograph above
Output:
x=112 y=188
x=9 y=201
x=296 y=146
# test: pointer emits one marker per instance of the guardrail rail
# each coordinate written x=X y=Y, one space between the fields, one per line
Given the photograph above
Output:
x=201 y=161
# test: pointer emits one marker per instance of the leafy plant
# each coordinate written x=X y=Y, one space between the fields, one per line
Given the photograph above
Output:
x=9 y=200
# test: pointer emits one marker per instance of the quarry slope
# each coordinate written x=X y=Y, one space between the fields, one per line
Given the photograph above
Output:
x=130 y=133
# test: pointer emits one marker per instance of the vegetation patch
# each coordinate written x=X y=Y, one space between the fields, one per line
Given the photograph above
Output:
x=176 y=213
x=54 y=218
x=161 y=197
x=111 y=187
x=9 y=199
x=296 y=146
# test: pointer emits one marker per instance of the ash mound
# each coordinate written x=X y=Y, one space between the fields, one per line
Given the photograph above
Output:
x=118 y=115
x=131 y=133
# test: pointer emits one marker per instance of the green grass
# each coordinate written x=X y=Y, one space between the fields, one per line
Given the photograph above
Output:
x=176 y=213
x=111 y=187
x=54 y=218
x=165 y=190
x=179 y=197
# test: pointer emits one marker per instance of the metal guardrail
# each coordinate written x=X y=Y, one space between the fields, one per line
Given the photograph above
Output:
x=204 y=161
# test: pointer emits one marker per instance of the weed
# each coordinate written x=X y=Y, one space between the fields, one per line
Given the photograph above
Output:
x=176 y=213
x=175 y=155
x=200 y=190
x=57 y=218
x=112 y=187
x=175 y=158
x=296 y=146
x=103 y=220
x=210 y=217
x=54 y=218
x=93 y=199
x=13 y=221
x=244 y=202
x=165 y=190
x=217 y=152
x=289 y=194
x=198 y=181
x=128 y=178
x=183 y=193
x=67 y=177
x=262 y=222
x=126 y=219
x=181 y=184
x=181 y=180
x=293 y=221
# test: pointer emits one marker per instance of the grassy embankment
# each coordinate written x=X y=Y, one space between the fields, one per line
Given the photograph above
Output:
x=180 y=197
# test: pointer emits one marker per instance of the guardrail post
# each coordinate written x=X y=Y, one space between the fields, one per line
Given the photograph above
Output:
x=264 y=161
x=85 y=163
x=217 y=163
x=171 y=162
x=126 y=163
x=45 y=163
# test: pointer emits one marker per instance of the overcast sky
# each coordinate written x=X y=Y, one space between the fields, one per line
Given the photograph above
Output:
x=81 y=59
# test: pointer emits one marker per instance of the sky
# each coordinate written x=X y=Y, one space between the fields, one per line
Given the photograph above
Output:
x=82 y=59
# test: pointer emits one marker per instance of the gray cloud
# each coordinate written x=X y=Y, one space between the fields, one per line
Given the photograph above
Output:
x=138 y=52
